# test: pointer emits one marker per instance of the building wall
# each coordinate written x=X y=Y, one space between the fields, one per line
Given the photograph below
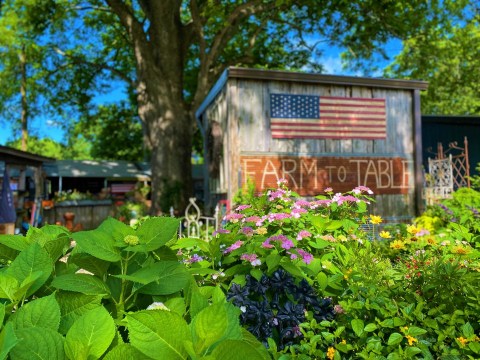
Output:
x=387 y=166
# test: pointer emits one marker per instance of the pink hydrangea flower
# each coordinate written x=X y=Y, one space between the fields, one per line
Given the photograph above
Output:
x=340 y=199
x=243 y=207
x=301 y=203
x=281 y=182
x=221 y=231
x=278 y=216
x=266 y=244
x=296 y=213
x=287 y=244
x=292 y=255
x=328 y=190
x=247 y=230
x=361 y=188
x=303 y=234
x=277 y=194
x=252 y=258
x=233 y=217
x=306 y=256
x=234 y=246
x=252 y=218
x=317 y=203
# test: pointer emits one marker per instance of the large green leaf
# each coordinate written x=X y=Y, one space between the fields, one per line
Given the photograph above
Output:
x=27 y=283
x=7 y=253
x=215 y=323
x=358 y=326
x=73 y=306
x=90 y=263
x=170 y=277
x=8 y=286
x=7 y=340
x=16 y=242
x=2 y=314
x=90 y=335
x=158 y=334
x=156 y=231
x=395 y=339
x=82 y=283
x=38 y=343
x=238 y=350
x=46 y=233
x=125 y=352
x=33 y=259
x=41 y=313
x=58 y=246
x=101 y=241
x=53 y=238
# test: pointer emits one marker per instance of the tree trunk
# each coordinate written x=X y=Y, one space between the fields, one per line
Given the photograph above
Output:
x=169 y=135
x=171 y=165
x=23 y=93
x=160 y=55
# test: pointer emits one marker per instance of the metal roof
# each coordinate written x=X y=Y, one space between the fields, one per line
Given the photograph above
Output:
x=119 y=169
x=13 y=156
x=312 y=78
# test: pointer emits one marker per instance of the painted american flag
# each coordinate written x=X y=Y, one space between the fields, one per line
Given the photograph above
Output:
x=322 y=117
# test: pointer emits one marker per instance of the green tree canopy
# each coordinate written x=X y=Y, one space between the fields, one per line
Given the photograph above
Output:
x=448 y=58
x=114 y=132
x=170 y=52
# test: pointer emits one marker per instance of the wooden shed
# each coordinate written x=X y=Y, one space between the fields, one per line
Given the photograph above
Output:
x=316 y=131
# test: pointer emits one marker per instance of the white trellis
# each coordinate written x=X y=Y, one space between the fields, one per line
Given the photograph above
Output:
x=440 y=181
x=194 y=225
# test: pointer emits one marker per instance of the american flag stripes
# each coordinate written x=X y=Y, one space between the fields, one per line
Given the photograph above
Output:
x=321 y=117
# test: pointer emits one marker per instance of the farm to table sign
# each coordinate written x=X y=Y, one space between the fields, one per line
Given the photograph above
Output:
x=309 y=176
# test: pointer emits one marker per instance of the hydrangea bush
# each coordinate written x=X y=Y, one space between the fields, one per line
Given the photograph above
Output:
x=395 y=293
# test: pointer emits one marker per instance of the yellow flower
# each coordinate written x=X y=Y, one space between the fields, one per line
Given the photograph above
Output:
x=398 y=245
x=411 y=339
x=460 y=250
x=330 y=353
x=412 y=229
x=375 y=219
x=431 y=241
x=342 y=238
x=404 y=328
x=261 y=231
x=344 y=342
x=462 y=341
x=347 y=274
x=385 y=235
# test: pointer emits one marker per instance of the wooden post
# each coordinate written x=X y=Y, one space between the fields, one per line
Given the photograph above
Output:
x=467 y=162
x=417 y=133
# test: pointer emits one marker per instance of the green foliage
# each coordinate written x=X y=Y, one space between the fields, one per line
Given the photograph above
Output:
x=410 y=294
x=114 y=132
x=45 y=147
x=445 y=56
x=246 y=194
x=459 y=212
x=86 y=301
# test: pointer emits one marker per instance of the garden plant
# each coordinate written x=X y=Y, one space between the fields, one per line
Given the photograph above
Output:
x=283 y=278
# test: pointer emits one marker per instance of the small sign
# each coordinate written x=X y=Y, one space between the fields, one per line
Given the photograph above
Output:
x=309 y=176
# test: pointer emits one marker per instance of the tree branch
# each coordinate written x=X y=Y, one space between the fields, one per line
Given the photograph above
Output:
x=97 y=66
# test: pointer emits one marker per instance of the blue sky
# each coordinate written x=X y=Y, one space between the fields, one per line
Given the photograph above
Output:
x=45 y=127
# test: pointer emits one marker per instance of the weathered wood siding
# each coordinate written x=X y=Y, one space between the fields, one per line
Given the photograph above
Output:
x=248 y=128
x=90 y=216
x=217 y=112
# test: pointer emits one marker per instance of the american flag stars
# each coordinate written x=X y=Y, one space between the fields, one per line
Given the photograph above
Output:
x=294 y=106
